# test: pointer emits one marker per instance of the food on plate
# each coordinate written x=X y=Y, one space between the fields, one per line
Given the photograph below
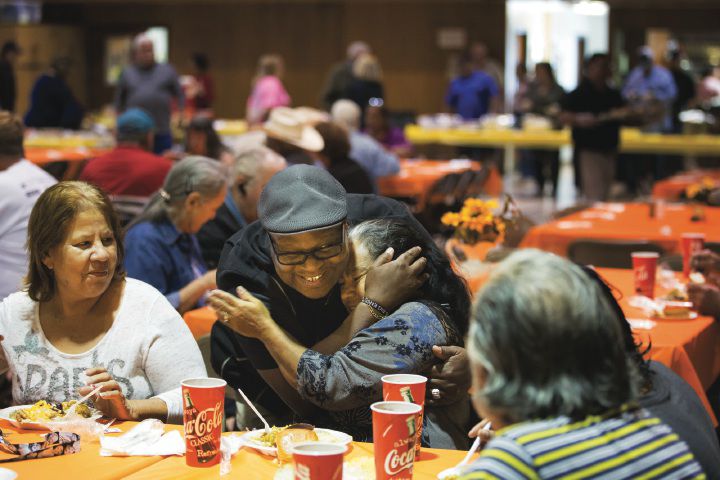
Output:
x=43 y=411
x=674 y=309
x=697 y=277
x=287 y=438
x=676 y=295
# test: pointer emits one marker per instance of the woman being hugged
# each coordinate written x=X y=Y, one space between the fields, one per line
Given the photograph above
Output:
x=346 y=380
x=81 y=324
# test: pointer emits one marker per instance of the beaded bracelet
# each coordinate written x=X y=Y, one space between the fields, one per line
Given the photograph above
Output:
x=376 y=315
x=375 y=305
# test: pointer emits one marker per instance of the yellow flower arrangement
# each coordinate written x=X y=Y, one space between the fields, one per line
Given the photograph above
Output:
x=477 y=221
x=700 y=191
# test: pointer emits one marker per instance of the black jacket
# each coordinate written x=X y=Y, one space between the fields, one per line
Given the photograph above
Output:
x=246 y=261
x=213 y=235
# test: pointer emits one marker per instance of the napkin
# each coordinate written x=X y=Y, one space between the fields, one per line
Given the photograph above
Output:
x=147 y=438
x=229 y=445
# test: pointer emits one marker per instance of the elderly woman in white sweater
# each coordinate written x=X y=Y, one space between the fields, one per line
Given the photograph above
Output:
x=81 y=324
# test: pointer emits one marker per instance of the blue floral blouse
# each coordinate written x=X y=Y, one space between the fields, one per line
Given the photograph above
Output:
x=347 y=382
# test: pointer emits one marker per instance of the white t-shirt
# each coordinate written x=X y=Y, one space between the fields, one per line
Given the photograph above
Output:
x=148 y=350
x=20 y=186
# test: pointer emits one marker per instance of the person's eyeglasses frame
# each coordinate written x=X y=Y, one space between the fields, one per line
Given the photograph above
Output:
x=312 y=253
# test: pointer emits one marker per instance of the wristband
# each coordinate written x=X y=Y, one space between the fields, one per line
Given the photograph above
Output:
x=375 y=305
x=376 y=315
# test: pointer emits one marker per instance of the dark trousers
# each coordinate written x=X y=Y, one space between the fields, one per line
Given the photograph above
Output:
x=547 y=166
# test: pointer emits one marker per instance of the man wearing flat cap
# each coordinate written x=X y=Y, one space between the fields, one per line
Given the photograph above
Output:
x=292 y=260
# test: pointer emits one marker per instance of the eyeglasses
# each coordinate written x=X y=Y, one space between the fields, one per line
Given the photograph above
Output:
x=323 y=252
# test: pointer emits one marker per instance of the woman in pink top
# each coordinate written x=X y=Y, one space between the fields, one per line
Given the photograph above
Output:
x=268 y=91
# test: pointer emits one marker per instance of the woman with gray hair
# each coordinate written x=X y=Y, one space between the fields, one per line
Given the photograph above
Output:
x=161 y=246
x=551 y=373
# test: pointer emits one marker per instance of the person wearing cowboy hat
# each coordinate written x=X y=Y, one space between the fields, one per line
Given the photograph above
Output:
x=289 y=133
x=292 y=260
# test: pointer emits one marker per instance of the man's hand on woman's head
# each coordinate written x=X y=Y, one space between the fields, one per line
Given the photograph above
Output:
x=393 y=282
x=448 y=380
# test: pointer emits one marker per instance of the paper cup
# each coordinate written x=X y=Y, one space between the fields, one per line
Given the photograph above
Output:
x=203 y=409
x=318 y=461
x=403 y=387
x=644 y=268
x=690 y=244
x=394 y=439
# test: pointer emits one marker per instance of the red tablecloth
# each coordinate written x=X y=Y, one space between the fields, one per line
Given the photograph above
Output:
x=633 y=223
x=673 y=187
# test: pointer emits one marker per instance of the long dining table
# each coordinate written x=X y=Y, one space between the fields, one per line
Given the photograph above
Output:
x=625 y=222
x=246 y=464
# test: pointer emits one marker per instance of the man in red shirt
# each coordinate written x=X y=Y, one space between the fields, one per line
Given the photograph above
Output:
x=130 y=174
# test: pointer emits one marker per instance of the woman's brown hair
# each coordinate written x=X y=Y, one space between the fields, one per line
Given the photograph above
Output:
x=50 y=220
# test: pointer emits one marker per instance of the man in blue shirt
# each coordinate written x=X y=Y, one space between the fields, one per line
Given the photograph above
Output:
x=648 y=83
x=474 y=93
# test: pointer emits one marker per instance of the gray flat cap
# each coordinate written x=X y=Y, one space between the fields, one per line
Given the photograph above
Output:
x=301 y=198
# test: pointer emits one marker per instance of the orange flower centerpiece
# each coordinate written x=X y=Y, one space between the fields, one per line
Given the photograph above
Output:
x=477 y=221
x=699 y=192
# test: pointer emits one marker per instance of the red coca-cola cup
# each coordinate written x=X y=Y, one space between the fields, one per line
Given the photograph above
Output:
x=318 y=461
x=405 y=387
x=203 y=409
x=394 y=439
x=691 y=243
x=644 y=267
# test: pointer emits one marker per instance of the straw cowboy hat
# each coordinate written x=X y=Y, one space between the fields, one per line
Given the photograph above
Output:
x=290 y=126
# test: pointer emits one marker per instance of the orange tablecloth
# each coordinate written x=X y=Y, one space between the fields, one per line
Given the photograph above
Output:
x=200 y=321
x=86 y=464
x=673 y=187
x=41 y=156
x=691 y=348
x=634 y=223
x=417 y=176
x=250 y=465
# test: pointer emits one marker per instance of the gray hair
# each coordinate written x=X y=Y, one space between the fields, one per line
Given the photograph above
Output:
x=356 y=49
x=253 y=161
x=140 y=39
x=548 y=342
x=191 y=174
x=346 y=113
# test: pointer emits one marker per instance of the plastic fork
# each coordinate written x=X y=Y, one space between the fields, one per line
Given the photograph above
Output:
x=250 y=404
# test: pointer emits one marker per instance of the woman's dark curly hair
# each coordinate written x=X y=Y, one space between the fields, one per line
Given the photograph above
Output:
x=444 y=287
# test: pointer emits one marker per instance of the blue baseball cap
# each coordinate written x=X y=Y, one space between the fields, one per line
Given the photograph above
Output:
x=135 y=121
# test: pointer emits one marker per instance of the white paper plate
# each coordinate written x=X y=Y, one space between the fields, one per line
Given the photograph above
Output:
x=5 y=414
x=689 y=316
x=6 y=474
x=250 y=439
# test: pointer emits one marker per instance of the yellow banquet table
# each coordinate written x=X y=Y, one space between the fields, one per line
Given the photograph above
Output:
x=631 y=140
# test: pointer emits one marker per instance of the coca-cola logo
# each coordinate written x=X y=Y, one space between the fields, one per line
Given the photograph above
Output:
x=642 y=274
x=205 y=422
x=397 y=462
